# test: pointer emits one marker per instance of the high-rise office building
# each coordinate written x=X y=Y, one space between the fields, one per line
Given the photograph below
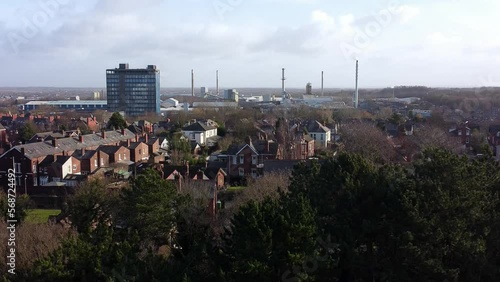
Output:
x=133 y=91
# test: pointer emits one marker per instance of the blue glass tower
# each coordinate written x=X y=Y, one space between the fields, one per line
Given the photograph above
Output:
x=135 y=92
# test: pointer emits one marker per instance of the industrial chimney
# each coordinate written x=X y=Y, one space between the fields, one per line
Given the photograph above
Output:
x=192 y=83
x=322 y=85
x=283 y=81
x=356 y=93
x=217 y=82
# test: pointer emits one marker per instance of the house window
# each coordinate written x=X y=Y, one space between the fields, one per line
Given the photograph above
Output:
x=234 y=159
x=102 y=161
x=241 y=171
x=140 y=152
x=124 y=156
x=119 y=157
x=44 y=180
x=74 y=167
x=95 y=163
x=34 y=168
x=321 y=137
x=254 y=173
x=35 y=181
x=242 y=159
x=254 y=160
x=18 y=167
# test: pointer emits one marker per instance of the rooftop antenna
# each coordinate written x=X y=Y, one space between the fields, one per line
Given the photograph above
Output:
x=356 y=93
x=192 y=83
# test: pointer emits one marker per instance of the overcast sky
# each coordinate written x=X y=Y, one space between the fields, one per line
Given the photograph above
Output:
x=71 y=43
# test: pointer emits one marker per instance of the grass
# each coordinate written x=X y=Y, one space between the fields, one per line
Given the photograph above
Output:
x=40 y=216
x=236 y=188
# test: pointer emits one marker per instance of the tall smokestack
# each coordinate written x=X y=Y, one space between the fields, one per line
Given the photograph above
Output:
x=322 y=88
x=217 y=81
x=192 y=83
x=283 y=80
x=356 y=93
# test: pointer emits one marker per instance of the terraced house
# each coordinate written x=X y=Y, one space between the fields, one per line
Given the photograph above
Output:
x=38 y=163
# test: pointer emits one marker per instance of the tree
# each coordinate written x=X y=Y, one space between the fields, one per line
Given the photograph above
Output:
x=450 y=210
x=102 y=255
x=92 y=203
x=151 y=207
x=22 y=204
x=117 y=121
x=267 y=240
x=26 y=132
x=368 y=141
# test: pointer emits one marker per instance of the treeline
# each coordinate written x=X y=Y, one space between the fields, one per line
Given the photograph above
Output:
x=345 y=219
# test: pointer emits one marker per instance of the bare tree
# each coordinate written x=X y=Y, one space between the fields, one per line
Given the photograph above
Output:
x=367 y=140
x=33 y=242
x=436 y=137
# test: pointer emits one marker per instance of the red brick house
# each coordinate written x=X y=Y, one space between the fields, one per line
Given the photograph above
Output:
x=244 y=161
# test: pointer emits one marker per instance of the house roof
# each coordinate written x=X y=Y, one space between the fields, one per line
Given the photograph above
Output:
x=40 y=149
x=261 y=147
x=494 y=129
x=279 y=165
x=109 y=149
x=307 y=138
x=183 y=170
x=316 y=126
x=134 y=128
x=134 y=145
x=88 y=154
x=211 y=172
x=2 y=127
x=62 y=159
x=197 y=126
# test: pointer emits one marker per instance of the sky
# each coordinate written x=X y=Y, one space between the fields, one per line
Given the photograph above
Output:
x=71 y=43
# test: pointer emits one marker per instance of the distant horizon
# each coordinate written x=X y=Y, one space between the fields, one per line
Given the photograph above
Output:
x=397 y=42
x=221 y=89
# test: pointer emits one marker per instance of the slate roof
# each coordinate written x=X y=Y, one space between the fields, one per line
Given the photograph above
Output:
x=182 y=169
x=134 y=145
x=316 y=126
x=494 y=129
x=211 y=172
x=279 y=165
x=62 y=159
x=88 y=154
x=109 y=149
x=198 y=126
x=40 y=149
x=2 y=127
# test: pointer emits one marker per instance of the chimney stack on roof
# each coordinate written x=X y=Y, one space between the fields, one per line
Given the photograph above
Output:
x=80 y=138
x=103 y=134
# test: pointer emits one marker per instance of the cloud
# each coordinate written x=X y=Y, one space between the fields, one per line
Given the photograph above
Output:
x=438 y=38
x=407 y=13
